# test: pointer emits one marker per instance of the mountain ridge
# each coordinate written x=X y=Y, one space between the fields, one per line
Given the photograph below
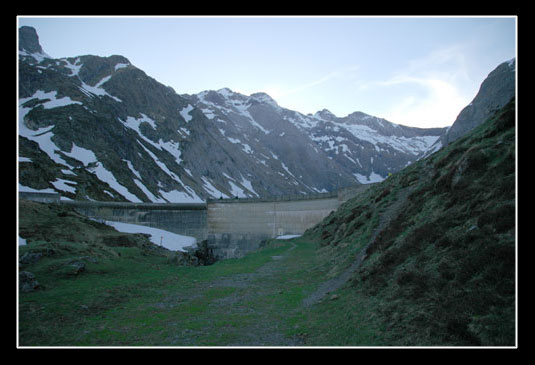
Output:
x=99 y=128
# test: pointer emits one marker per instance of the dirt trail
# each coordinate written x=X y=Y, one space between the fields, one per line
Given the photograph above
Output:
x=335 y=283
x=264 y=330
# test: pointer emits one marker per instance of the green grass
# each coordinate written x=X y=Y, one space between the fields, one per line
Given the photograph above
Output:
x=140 y=300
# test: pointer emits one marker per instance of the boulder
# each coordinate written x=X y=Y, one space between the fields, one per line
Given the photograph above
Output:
x=27 y=282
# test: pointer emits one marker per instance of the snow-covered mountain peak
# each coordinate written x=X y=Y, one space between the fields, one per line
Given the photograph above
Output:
x=262 y=97
x=325 y=115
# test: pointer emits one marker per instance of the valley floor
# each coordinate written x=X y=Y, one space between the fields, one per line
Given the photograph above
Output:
x=254 y=301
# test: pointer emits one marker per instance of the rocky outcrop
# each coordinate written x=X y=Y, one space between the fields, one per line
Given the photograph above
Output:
x=27 y=282
x=495 y=92
x=199 y=255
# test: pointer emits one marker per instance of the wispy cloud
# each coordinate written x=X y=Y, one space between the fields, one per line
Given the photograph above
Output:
x=342 y=72
x=430 y=89
x=439 y=106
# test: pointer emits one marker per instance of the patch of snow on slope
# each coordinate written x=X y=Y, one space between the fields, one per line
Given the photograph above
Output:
x=247 y=184
x=43 y=137
x=147 y=192
x=121 y=65
x=169 y=240
x=106 y=176
x=185 y=113
x=53 y=101
x=372 y=178
x=170 y=146
x=175 y=196
x=60 y=184
x=38 y=56
x=82 y=154
x=98 y=90
x=412 y=145
x=212 y=190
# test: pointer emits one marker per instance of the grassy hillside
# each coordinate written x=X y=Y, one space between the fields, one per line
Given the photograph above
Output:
x=425 y=258
x=442 y=272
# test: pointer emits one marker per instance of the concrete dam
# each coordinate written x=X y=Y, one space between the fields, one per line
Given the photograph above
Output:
x=232 y=227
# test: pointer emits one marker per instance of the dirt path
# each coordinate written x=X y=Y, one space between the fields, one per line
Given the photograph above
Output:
x=257 y=327
x=335 y=283
x=265 y=330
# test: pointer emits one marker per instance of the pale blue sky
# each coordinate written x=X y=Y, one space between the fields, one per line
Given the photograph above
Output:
x=417 y=71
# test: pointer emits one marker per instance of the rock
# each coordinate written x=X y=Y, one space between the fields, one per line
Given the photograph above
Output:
x=30 y=258
x=494 y=93
x=27 y=282
x=334 y=297
x=201 y=255
x=29 y=40
x=77 y=267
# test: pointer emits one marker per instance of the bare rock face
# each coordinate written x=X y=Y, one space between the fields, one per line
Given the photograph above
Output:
x=29 y=41
x=495 y=92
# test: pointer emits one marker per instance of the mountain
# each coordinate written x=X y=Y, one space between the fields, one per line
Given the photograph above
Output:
x=494 y=93
x=99 y=128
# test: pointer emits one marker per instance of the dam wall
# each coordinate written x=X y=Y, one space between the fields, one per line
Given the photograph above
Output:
x=232 y=227
x=235 y=228
x=185 y=219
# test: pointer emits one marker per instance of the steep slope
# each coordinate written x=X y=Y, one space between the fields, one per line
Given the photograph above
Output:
x=436 y=244
x=99 y=128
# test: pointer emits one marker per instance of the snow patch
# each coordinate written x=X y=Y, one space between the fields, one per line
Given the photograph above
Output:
x=147 y=192
x=38 y=56
x=372 y=178
x=212 y=190
x=175 y=196
x=247 y=184
x=169 y=240
x=97 y=89
x=288 y=236
x=107 y=176
x=170 y=146
x=121 y=65
x=60 y=184
x=81 y=154
x=185 y=113
x=53 y=101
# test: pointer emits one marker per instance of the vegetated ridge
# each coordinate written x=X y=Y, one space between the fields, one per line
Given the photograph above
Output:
x=442 y=271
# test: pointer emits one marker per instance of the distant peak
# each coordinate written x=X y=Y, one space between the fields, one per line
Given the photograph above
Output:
x=225 y=91
x=264 y=98
x=325 y=114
